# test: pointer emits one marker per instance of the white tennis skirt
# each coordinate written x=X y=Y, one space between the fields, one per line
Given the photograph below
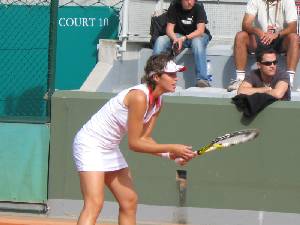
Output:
x=89 y=156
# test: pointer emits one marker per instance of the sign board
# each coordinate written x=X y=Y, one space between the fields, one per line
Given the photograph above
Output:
x=78 y=33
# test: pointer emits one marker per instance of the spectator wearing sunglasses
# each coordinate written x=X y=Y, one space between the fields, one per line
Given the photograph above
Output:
x=267 y=23
x=267 y=78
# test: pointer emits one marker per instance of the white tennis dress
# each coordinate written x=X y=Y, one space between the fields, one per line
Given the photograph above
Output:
x=96 y=145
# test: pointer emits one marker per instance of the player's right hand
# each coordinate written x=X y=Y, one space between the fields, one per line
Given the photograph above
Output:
x=183 y=151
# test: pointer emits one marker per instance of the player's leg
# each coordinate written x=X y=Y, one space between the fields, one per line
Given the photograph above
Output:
x=121 y=185
x=92 y=189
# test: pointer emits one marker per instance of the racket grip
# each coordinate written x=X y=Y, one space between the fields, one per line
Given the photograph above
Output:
x=179 y=161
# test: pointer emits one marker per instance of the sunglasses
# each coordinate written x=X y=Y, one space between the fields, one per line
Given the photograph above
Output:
x=269 y=63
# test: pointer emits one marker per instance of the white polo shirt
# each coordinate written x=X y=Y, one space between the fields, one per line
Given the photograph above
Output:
x=286 y=13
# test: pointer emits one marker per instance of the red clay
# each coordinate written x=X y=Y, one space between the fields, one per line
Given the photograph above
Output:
x=16 y=220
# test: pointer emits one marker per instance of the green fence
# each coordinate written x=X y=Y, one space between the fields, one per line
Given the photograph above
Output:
x=28 y=55
x=24 y=151
x=24 y=47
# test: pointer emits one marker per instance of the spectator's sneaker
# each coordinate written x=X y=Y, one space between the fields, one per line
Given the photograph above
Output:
x=202 y=83
x=234 y=85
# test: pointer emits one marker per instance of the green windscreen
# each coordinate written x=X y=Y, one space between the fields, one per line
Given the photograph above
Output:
x=78 y=32
x=24 y=40
x=24 y=162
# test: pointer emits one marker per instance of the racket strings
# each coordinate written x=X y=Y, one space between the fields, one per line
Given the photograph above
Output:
x=229 y=139
x=232 y=140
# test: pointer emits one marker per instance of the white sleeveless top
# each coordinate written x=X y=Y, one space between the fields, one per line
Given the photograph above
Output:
x=102 y=134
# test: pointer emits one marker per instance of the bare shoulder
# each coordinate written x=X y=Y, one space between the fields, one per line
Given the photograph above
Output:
x=135 y=96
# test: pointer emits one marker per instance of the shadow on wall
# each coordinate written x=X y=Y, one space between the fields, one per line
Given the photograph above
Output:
x=123 y=74
x=228 y=72
x=189 y=76
x=30 y=103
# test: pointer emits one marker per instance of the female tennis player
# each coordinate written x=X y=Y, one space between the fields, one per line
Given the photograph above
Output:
x=96 y=151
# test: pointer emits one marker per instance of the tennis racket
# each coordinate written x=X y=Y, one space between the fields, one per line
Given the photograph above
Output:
x=227 y=140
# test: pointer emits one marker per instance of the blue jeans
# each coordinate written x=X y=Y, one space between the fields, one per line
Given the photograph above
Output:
x=198 y=46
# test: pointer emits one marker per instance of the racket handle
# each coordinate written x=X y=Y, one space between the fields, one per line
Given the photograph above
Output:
x=179 y=161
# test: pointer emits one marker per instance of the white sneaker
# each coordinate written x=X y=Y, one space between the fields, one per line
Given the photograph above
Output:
x=234 y=85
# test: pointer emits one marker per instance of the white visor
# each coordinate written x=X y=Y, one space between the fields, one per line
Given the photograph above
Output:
x=172 y=67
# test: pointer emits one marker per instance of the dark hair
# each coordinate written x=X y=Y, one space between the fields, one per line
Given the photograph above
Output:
x=260 y=53
x=155 y=65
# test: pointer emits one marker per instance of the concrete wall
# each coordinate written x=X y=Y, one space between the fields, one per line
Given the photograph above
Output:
x=261 y=175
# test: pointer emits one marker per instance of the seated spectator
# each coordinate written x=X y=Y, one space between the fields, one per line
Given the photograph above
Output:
x=275 y=26
x=267 y=78
x=186 y=28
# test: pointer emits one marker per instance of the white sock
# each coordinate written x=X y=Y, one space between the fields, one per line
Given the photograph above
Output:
x=292 y=76
x=240 y=74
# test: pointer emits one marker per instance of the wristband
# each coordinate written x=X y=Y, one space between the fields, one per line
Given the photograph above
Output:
x=165 y=155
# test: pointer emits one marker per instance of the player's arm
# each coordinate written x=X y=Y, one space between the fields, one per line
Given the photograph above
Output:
x=248 y=89
x=148 y=128
x=136 y=103
x=280 y=89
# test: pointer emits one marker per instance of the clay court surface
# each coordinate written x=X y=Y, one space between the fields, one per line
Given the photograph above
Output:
x=42 y=220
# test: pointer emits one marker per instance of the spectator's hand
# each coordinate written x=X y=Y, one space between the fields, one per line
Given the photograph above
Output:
x=268 y=89
x=267 y=38
x=179 y=42
x=175 y=47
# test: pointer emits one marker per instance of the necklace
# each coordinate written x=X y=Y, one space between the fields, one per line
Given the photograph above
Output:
x=270 y=2
x=267 y=84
